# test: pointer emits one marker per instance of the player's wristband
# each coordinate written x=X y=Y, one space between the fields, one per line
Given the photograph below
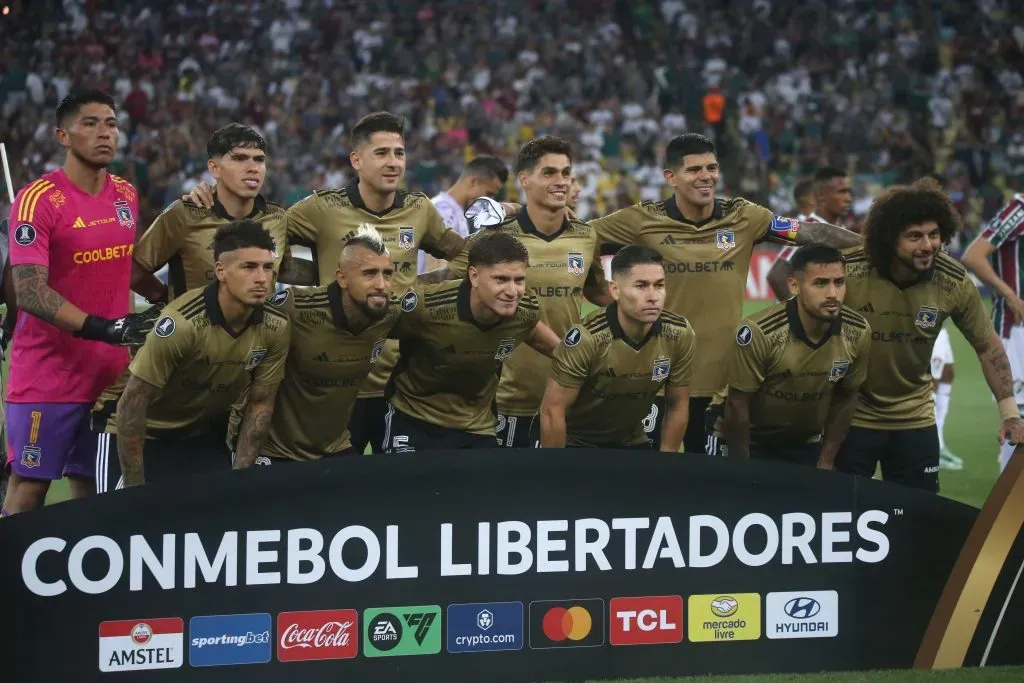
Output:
x=1008 y=409
x=95 y=328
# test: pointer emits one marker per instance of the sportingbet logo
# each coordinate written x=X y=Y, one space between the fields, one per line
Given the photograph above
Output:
x=399 y=631
x=646 y=621
x=485 y=627
x=228 y=639
x=142 y=644
x=325 y=634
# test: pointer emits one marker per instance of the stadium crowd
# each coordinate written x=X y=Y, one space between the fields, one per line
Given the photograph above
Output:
x=888 y=90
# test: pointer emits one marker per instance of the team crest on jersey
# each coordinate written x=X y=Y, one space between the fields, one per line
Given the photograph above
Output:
x=661 y=369
x=164 y=327
x=839 y=370
x=505 y=347
x=406 y=238
x=124 y=215
x=573 y=337
x=725 y=240
x=927 y=317
x=409 y=302
x=31 y=456
x=378 y=346
x=279 y=298
x=25 y=235
x=786 y=228
x=575 y=263
x=256 y=357
x=744 y=335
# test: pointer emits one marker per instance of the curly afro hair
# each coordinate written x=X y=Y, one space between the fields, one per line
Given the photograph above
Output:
x=900 y=207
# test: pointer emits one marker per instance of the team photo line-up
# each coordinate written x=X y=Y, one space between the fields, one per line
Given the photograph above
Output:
x=481 y=340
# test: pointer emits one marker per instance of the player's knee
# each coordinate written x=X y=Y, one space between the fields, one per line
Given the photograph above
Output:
x=25 y=494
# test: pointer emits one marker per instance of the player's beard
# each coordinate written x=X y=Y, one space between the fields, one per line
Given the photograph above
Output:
x=911 y=266
x=369 y=311
x=96 y=166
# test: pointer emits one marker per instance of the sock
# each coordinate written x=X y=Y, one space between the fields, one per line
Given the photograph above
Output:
x=941 y=397
x=1005 y=451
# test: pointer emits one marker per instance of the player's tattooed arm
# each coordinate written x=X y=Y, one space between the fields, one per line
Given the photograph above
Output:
x=837 y=423
x=996 y=367
x=543 y=339
x=34 y=295
x=553 y=408
x=737 y=424
x=298 y=271
x=255 y=427
x=778 y=278
x=435 y=276
x=132 y=409
x=827 y=234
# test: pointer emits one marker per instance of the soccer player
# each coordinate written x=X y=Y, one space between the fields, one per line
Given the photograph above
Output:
x=794 y=371
x=995 y=257
x=338 y=331
x=454 y=337
x=206 y=349
x=803 y=197
x=181 y=236
x=906 y=287
x=573 y=200
x=564 y=267
x=943 y=373
x=71 y=240
x=707 y=244
x=832 y=199
x=607 y=370
x=484 y=176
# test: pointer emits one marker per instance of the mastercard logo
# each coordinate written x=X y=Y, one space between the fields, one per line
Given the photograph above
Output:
x=572 y=623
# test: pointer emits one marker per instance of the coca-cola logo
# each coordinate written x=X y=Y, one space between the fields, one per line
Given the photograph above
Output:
x=326 y=634
x=331 y=634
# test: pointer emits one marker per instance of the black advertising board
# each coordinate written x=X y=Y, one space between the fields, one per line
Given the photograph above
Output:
x=491 y=565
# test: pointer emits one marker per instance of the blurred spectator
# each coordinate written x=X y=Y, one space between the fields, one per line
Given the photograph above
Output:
x=887 y=89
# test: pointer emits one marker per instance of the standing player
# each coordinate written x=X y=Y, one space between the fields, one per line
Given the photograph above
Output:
x=575 y=189
x=182 y=236
x=338 y=331
x=995 y=257
x=832 y=199
x=71 y=241
x=564 y=266
x=454 y=337
x=795 y=371
x=707 y=244
x=906 y=287
x=484 y=176
x=210 y=344
x=608 y=369
x=943 y=373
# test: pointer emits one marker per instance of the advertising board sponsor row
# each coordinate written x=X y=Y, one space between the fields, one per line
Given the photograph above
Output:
x=224 y=640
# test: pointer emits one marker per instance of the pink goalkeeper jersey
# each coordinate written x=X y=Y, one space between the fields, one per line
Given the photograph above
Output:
x=86 y=243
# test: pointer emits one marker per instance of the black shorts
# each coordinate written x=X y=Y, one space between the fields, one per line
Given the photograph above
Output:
x=636 y=447
x=907 y=456
x=162 y=459
x=695 y=437
x=366 y=426
x=407 y=434
x=514 y=431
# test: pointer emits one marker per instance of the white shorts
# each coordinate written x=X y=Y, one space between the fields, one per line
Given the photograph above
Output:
x=1015 y=352
x=942 y=354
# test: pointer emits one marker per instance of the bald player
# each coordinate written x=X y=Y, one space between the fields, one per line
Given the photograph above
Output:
x=608 y=369
x=794 y=371
x=706 y=243
x=209 y=345
x=338 y=332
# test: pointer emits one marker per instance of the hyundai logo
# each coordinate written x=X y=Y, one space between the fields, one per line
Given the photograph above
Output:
x=802 y=608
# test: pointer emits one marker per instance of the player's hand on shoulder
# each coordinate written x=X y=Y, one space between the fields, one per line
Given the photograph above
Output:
x=201 y=195
x=485 y=212
x=131 y=330
x=1016 y=305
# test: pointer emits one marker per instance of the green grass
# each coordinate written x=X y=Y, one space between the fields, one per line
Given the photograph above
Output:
x=1011 y=674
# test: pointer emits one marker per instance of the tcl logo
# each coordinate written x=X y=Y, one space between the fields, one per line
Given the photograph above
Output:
x=327 y=634
x=646 y=621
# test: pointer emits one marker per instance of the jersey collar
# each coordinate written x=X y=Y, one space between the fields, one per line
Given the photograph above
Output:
x=352 y=190
x=611 y=314
x=466 y=313
x=527 y=226
x=216 y=315
x=259 y=207
x=337 y=311
x=797 y=327
x=673 y=212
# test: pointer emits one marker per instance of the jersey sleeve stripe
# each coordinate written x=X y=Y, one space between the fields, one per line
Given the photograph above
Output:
x=529 y=305
x=676 y=320
x=853 y=322
x=27 y=210
x=26 y=196
x=442 y=302
x=952 y=269
x=595 y=326
x=773 y=318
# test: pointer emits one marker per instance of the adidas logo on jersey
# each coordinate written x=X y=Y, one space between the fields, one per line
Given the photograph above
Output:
x=78 y=224
x=669 y=239
x=867 y=308
x=322 y=358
